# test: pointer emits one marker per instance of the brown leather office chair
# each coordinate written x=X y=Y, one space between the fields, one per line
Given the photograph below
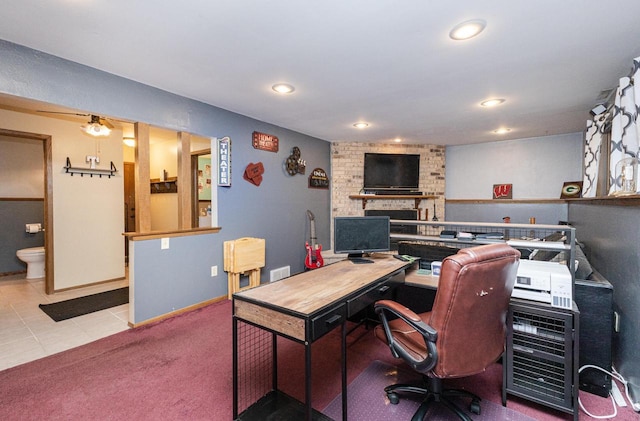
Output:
x=464 y=332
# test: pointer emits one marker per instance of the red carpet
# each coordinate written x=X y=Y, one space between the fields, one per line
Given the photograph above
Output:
x=176 y=369
x=180 y=369
x=366 y=402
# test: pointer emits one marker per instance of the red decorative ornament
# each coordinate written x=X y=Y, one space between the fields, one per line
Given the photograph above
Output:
x=253 y=173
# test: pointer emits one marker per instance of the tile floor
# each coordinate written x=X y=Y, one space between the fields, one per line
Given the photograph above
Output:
x=27 y=333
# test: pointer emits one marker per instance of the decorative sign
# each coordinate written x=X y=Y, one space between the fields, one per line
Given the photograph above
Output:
x=224 y=162
x=265 y=142
x=571 y=190
x=294 y=164
x=503 y=191
x=253 y=173
x=318 y=179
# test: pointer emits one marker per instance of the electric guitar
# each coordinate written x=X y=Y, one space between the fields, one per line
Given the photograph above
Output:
x=313 y=260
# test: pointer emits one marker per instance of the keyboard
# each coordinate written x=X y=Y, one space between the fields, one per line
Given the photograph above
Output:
x=360 y=260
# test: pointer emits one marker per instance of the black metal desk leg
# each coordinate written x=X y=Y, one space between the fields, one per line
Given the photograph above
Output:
x=344 y=372
x=274 y=361
x=235 y=367
x=307 y=379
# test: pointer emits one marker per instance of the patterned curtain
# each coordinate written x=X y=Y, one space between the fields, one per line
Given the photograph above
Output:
x=625 y=133
x=594 y=143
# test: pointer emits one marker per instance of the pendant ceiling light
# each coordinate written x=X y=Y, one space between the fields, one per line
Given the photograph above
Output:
x=96 y=127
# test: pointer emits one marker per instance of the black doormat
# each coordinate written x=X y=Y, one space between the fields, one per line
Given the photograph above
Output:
x=84 y=305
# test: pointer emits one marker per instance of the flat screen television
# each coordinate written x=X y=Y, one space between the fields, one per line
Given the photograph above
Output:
x=360 y=235
x=391 y=172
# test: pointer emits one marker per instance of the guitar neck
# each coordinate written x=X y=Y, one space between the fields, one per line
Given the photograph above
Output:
x=312 y=223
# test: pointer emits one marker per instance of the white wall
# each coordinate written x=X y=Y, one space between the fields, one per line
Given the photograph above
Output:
x=87 y=211
x=537 y=167
x=128 y=153
x=163 y=156
x=164 y=211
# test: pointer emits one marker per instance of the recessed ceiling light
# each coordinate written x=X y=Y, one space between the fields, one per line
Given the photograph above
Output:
x=361 y=125
x=467 y=29
x=502 y=130
x=283 y=88
x=492 y=102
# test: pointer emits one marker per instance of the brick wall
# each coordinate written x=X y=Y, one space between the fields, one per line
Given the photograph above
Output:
x=347 y=167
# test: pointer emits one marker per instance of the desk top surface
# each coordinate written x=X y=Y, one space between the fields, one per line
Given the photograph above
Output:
x=310 y=291
x=412 y=278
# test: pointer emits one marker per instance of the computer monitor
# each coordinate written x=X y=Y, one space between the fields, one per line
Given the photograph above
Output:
x=359 y=235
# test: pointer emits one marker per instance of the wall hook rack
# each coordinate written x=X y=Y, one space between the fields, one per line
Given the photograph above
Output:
x=169 y=185
x=90 y=171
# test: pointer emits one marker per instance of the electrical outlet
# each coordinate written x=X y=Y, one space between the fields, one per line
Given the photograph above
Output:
x=164 y=243
x=214 y=270
x=93 y=160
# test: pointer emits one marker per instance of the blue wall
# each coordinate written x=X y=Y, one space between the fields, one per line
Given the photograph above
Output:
x=15 y=214
x=172 y=279
x=545 y=213
x=275 y=211
x=537 y=167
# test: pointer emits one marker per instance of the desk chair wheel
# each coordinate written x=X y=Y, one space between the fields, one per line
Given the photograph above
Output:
x=393 y=398
x=474 y=406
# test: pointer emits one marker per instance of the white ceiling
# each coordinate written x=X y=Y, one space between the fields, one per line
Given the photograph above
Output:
x=387 y=62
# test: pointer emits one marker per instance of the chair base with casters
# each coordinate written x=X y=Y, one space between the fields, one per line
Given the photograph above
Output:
x=434 y=392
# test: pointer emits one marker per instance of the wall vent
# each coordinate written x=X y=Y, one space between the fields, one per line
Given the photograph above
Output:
x=280 y=273
x=605 y=96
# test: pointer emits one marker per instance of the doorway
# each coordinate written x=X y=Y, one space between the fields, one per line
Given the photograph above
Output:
x=47 y=200
x=201 y=173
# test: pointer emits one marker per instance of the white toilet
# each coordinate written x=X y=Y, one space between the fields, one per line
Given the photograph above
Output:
x=34 y=258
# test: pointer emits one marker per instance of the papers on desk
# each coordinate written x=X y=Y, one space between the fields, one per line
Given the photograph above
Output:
x=551 y=245
x=448 y=234
x=406 y=258
x=466 y=235
x=490 y=235
x=463 y=235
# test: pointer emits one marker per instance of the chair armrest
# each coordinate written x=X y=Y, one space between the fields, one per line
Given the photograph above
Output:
x=429 y=334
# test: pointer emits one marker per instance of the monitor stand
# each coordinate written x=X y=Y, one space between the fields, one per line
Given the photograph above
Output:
x=358 y=259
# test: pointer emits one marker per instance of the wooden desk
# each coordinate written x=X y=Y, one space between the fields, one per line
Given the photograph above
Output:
x=304 y=308
x=424 y=281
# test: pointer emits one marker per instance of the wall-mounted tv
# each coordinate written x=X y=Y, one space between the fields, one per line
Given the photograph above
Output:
x=399 y=172
x=358 y=235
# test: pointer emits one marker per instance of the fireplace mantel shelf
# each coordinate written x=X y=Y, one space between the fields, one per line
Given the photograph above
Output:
x=416 y=197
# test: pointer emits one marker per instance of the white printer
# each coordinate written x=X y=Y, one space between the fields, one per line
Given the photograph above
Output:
x=548 y=282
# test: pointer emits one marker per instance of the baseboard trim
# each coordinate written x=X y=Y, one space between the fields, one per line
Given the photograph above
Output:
x=177 y=312
x=92 y=284
x=12 y=273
